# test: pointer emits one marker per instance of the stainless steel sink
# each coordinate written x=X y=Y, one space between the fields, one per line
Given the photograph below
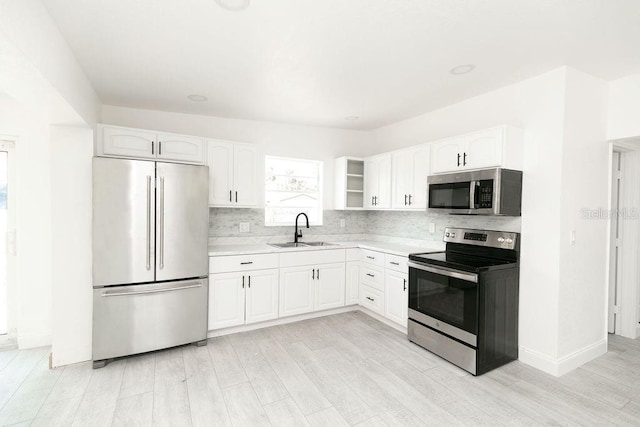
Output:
x=288 y=245
x=319 y=244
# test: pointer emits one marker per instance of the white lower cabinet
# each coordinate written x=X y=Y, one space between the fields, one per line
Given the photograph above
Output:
x=352 y=282
x=396 y=295
x=242 y=297
x=310 y=288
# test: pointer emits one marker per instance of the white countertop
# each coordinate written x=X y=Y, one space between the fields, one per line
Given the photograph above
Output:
x=386 y=247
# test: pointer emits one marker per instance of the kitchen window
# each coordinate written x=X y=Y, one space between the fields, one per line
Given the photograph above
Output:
x=292 y=186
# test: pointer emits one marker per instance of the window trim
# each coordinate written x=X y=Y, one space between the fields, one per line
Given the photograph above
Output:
x=320 y=164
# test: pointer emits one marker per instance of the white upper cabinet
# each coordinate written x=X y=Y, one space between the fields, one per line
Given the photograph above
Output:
x=114 y=141
x=377 y=182
x=410 y=169
x=496 y=147
x=349 y=183
x=233 y=174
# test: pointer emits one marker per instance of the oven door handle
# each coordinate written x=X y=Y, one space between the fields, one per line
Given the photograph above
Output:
x=444 y=271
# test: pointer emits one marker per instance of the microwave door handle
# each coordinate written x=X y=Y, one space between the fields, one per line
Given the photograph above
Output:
x=472 y=194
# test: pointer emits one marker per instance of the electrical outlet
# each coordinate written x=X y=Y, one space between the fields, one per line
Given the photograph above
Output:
x=432 y=227
x=244 y=227
x=343 y=223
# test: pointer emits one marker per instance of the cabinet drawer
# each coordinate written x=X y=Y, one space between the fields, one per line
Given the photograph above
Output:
x=306 y=257
x=373 y=257
x=225 y=264
x=353 y=254
x=372 y=276
x=372 y=299
x=397 y=263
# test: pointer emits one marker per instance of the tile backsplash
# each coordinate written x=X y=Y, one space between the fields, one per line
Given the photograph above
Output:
x=224 y=222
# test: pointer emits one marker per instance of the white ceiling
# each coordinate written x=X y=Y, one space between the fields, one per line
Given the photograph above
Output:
x=316 y=62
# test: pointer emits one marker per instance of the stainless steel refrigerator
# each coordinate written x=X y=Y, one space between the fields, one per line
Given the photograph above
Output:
x=150 y=261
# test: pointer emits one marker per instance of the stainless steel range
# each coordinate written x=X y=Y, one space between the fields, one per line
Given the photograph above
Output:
x=463 y=303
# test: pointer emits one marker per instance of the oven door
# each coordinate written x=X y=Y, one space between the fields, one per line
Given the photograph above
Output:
x=444 y=299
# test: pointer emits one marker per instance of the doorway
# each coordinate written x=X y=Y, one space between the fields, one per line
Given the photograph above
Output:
x=624 y=244
x=7 y=236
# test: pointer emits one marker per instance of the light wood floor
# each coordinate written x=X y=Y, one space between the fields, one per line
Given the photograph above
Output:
x=346 y=369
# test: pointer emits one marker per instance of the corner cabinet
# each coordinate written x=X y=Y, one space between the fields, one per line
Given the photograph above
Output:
x=377 y=182
x=496 y=147
x=349 y=183
x=233 y=174
x=115 y=141
x=410 y=169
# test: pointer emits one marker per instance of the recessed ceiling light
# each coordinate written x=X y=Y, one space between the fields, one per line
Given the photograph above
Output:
x=351 y=118
x=462 y=69
x=197 y=98
x=233 y=5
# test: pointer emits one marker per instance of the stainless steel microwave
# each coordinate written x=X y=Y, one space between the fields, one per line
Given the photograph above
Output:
x=493 y=191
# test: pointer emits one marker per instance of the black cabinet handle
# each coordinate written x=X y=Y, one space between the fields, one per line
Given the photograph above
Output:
x=249 y=281
x=313 y=274
x=159 y=148
x=246 y=263
x=405 y=200
x=458 y=159
x=236 y=197
x=371 y=257
x=464 y=159
x=394 y=263
x=370 y=275
x=370 y=299
x=242 y=282
x=405 y=284
x=151 y=147
x=230 y=195
x=372 y=203
x=409 y=199
x=318 y=274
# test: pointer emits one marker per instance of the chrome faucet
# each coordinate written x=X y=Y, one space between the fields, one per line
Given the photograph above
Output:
x=297 y=233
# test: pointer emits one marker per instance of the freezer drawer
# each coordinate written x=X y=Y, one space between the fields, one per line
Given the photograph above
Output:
x=139 y=318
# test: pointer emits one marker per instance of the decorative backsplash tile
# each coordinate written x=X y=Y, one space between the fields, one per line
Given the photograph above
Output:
x=224 y=222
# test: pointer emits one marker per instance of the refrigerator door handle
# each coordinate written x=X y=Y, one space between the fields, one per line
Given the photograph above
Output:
x=150 y=291
x=161 y=264
x=148 y=265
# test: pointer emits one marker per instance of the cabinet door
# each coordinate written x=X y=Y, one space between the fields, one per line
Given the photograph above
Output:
x=329 y=284
x=180 y=148
x=396 y=299
x=419 y=166
x=352 y=282
x=220 y=161
x=262 y=295
x=245 y=175
x=401 y=179
x=484 y=149
x=371 y=182
x=226 y=300
x=444 y=155
x=384 y=182
x=128 y=143
x=296 y=290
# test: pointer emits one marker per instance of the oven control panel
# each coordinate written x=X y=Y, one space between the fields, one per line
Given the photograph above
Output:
x=490 y=238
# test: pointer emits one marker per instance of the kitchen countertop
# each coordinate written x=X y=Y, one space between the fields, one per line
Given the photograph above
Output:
x=386 y=247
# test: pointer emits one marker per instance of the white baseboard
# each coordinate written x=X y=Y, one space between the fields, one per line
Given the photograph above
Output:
x=560 y=366
x=280 y=321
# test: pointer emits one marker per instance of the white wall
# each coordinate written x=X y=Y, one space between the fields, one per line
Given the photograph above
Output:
x=274 y=138
x=539 y=105
x=71 y=153
x=624 y=105
x=32 y=42
x=585 y=172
